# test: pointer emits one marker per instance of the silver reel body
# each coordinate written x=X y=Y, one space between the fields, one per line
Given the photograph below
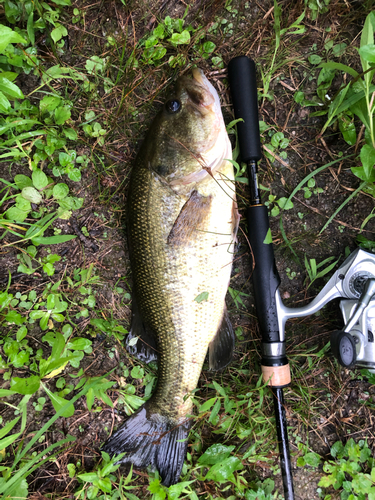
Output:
x=354 y=284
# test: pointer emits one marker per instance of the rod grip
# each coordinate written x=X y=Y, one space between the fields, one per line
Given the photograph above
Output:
x=265 y=277
x=243 y=85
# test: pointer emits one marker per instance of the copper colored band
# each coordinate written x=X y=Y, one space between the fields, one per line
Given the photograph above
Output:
x=276 y=376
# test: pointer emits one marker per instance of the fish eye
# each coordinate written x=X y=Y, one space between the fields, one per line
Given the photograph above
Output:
x=173 y=106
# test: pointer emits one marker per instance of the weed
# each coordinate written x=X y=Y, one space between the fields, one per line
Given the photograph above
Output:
x=294 y=29
x=317 y=7
x=352 y=471
x=291 y=274
x=278 y=142
x=311 y=189
x=312 y=268
x=353 y=99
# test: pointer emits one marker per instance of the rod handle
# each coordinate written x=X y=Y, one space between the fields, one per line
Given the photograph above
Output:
x=265 y=277
x=243 y=85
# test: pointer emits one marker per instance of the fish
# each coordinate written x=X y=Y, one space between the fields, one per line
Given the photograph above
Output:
x=182 y=221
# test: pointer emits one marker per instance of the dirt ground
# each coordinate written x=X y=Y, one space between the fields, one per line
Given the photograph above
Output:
x=325 y=402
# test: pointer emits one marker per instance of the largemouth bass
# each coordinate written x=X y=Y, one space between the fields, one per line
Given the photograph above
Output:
x=182 y=221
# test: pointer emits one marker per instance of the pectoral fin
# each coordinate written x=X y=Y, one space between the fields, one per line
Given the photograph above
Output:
x=221 y=346
x=144 y=348
x=190 y=218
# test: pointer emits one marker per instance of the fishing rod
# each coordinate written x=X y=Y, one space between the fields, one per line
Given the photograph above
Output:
x=266 y=280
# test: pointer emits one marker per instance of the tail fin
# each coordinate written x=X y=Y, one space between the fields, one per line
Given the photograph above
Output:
x=150 y=438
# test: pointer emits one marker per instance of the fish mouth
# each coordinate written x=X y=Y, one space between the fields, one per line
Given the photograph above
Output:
x=211 y=97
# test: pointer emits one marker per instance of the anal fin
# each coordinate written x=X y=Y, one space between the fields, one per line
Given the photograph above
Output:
x=221 y=346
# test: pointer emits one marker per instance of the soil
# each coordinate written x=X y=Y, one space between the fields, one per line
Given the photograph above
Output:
x=340 y=399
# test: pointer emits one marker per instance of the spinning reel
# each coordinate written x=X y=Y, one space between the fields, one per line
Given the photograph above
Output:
x=354 y=284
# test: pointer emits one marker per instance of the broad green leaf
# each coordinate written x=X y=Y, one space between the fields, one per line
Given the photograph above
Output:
x=16 y=123
x=215 y=453
x=75 y=175
x=44 y=321
x=10 y=89
x=339 y=49
x=215 y=411
x=90 y=398
x=286 y=204
x=52 y=369
x=22 y=181
x=156 y=488
x=7 y=36
x=180 y=38
x=37 y=314
x=219 y=389
x=367 y=38
x=21 y=333
x=15 y=318
x=58 y=345
x=367 y=156
x=312 y=459
x=30 y=28
x=88 y=477
x=137 y=372
x=8 y=427
x=207 y=405
x=5 y=392
x=347 y=128
x=340 y=67
x=223 y=470
x=20 y=359
x=105 y=484
x=80 y=344
x=70 y=133
x=9 y=440
x=9 y=75
x=49 y=103
x=268 y=239
x=16 y=214
x=40 y=180
x=62 y=2
x=31 y=194
x=4 y=103
x=71 y=203
x=18 y=490
x=49 y=269
x=58 y=317
x=25 y=385
x=62 y=114
x=315 y=59
x=58 y=33
x=174 y=491
x=368 y=52
x=209 y=47
x=201 y=297
x=95 y=65
x=60 y=191
x=59 y=402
